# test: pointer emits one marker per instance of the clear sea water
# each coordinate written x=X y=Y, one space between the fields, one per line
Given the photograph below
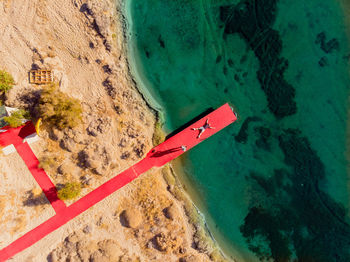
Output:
x=270 y=187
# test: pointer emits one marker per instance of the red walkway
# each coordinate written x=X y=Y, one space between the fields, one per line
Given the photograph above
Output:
x=40 y=176
x=15 y=136
x=158 y=156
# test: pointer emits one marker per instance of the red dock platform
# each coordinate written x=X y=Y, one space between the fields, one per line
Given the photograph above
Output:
x=15 y=137
x=158 y=156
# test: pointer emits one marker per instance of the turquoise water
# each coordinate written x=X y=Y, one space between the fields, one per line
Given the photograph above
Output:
x=274 y=184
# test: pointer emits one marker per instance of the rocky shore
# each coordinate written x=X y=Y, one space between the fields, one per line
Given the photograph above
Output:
x=151 y=219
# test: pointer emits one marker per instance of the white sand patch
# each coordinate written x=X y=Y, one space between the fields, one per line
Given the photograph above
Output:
x=9 y=150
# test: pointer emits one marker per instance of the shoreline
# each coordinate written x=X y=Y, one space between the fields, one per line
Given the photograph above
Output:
x=208 y=222
x=135 y=75
x=123 y=115
x=189 y=188
x=198 y=209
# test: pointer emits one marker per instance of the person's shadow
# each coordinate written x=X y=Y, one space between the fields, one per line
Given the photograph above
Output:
x=165 y=152
x=42 y=198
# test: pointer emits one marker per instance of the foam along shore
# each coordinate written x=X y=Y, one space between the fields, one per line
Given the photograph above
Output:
x=207 y=229
x=136 y=70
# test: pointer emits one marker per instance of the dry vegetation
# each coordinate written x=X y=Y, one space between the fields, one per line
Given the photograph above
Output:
x=16 y=119
x=47 y=163
x=158 y=135
x=6 y=82
x=69 y=191
x=58 y=109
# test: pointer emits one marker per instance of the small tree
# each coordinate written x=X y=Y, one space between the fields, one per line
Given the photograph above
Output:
x=58 y=109
x=69 y=191
x=16 y=118
x=6 y=82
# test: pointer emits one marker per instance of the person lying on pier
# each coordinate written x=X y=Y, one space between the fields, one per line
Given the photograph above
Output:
x=203 y=128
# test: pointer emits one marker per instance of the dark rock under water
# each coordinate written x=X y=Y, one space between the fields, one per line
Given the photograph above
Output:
x=274 y=182
x=253 y=20
x=299 y=219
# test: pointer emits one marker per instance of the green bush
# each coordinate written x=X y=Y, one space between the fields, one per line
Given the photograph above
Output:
x=69 y=191
x=6 y=81
x=16 y=118
x=58 y=109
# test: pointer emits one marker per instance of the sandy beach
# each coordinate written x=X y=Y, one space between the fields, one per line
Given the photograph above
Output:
x=151 y=219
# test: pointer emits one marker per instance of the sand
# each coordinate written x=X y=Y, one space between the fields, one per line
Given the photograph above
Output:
x=83 y=43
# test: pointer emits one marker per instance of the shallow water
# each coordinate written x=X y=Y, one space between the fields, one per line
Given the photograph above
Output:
x=274 y=184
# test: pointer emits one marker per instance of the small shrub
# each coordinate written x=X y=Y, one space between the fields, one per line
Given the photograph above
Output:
x=158 y=135
x=46 y=163
x=16 y=118
x=58 y=109
x=69 y=191
x=6 y=81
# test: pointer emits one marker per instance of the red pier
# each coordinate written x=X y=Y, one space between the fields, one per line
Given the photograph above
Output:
x=158 y=156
